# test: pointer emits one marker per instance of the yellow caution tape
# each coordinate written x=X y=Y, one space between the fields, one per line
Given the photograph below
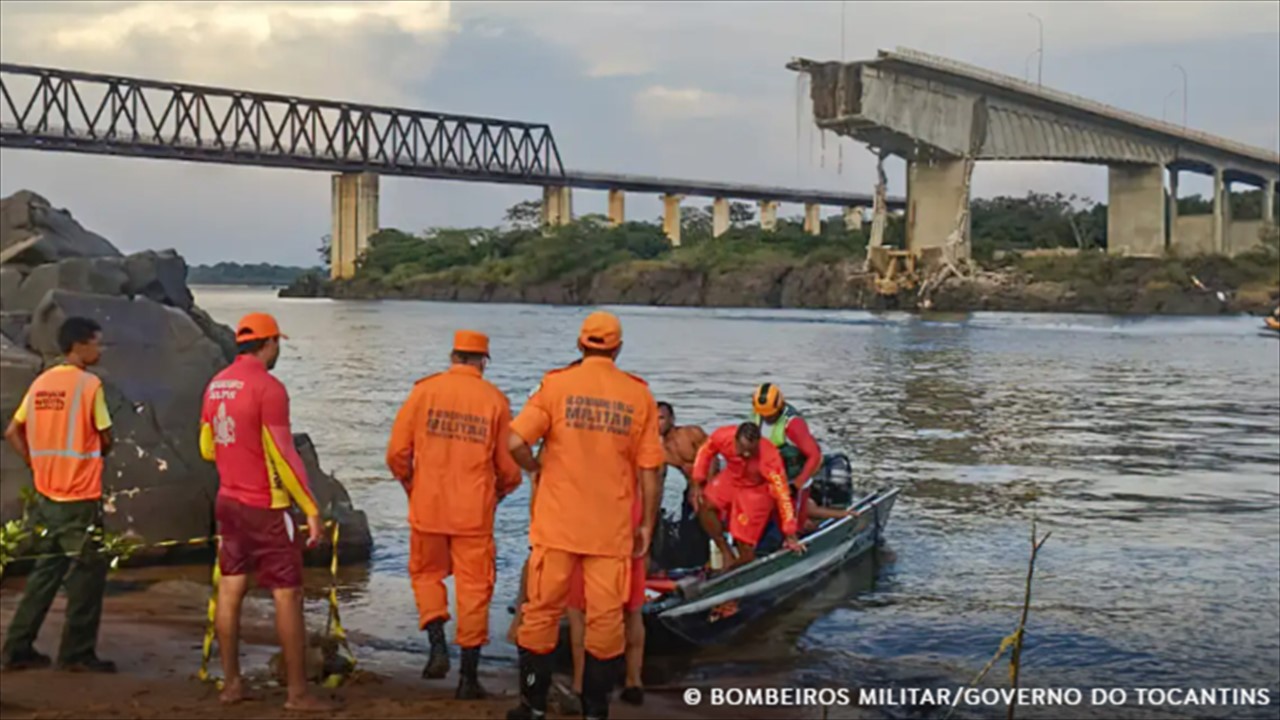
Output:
x=334 y=624
x=209 y=634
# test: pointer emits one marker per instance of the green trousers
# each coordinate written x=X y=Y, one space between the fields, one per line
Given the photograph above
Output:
x=69 y=547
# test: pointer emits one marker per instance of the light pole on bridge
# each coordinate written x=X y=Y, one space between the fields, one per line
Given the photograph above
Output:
x=1183 y=70
x=1040 y=51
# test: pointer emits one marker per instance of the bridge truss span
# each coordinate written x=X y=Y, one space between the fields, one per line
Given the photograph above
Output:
x=49 y=109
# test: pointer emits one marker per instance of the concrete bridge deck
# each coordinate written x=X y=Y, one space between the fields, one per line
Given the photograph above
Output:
x=941 y=116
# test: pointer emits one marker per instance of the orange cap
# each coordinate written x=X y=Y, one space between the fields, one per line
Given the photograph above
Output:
x=470 y=341
x=257 y=326
x=600 y=331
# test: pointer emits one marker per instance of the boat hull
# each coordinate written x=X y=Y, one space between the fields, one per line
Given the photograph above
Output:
x=721 y=608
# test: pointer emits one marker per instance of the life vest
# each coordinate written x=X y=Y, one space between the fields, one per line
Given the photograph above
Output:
x=792 y=459
x=66 y=450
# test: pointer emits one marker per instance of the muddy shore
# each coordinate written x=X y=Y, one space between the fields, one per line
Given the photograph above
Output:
x=152 y=628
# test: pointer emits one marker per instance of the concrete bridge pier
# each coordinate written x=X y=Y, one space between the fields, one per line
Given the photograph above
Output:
x=719 y=217
x=1269 y=203
x=936 y=191
x=768 y=215
x=671 y=218
x=812 y=220
x=617 y=207
x=853 y=218
x=355 y=220
x=1135 y=210
x=557 y=205
x=1221 y=211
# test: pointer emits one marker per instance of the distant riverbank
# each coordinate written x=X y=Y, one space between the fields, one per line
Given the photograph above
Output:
x=1092 y=283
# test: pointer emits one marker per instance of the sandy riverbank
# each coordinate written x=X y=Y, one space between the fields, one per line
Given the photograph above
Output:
x=152 y=630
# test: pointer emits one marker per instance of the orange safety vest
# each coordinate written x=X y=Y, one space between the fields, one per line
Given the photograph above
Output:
x=66 y=450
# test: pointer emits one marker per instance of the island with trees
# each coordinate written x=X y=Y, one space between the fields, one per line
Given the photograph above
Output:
x=1039 y=252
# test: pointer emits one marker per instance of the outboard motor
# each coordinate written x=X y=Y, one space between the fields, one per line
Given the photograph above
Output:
x=833 y=487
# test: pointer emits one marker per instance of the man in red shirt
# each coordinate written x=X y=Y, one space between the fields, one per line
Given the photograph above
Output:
x=744 y=493
x=245 y=430
x=785 y=428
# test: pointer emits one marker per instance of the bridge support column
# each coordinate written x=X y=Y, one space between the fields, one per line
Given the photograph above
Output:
x=617 y=207
x=719 y=217
x=1221 y=212
x=671 y=218
x=1171 y=231
x=812 y=220
x=936 y=192
x=557 y=205
x=768 y=215
x=852 y=218
x=355 y=219
x=1135 y=210
x=1269 y=203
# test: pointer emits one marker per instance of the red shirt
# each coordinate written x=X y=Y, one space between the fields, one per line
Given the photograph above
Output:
x=244 y=428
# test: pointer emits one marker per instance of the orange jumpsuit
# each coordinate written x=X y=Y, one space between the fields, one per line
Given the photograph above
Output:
x=449 y=447
x=741 y=492
x=599 y=426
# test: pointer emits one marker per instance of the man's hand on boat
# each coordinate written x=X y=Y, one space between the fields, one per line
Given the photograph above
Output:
x=695 y=496
x=793 y=544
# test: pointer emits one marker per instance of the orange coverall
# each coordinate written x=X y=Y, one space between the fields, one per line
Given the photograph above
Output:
x=741 y=492
x=600 y=427
x=449 y=448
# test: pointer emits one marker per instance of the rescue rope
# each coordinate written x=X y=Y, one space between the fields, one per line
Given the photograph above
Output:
x=122 y=548
x=333 y=626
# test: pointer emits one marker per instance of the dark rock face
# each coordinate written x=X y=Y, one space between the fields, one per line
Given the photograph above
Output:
x=159 y=353
x=26 y=215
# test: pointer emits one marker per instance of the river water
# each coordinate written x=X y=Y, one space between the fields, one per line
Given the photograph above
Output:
x=1150 y=447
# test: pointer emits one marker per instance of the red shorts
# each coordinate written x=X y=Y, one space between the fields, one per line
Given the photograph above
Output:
x=745 y=509
x=635 y=599
x=260 y=540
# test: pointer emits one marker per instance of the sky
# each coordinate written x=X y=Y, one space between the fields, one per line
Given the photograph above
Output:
x=693 y=90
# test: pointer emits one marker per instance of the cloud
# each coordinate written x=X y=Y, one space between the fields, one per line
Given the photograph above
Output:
x=347 y=50
x=692 y=90
x=659 y=103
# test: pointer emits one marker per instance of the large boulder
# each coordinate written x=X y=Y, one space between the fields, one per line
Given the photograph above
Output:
x=154 y=354
x=10 y=282
x=18 y=368
x=104 y=276
x=160 y=276
x=26 y=215
x=159 y=352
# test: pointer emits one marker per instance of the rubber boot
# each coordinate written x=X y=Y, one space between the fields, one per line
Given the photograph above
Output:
x=468 y=683
x=438 y=661
x=535 y=681
x=597 y=684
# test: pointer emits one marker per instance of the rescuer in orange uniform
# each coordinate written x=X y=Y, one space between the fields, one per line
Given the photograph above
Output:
x=449 y=448
x=599 y=428
x=62 y=431
x=744 y=493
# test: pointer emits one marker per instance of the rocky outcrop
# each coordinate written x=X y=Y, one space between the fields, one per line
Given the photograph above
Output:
x=159 y=353
x=57 y=236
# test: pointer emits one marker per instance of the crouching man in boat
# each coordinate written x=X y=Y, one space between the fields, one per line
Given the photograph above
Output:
x=744 y=494
x=785 y=428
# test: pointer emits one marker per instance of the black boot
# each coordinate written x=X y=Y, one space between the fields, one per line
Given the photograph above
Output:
x=535 y=681
x=598 y=677
x=468 y=684
x=438 y=661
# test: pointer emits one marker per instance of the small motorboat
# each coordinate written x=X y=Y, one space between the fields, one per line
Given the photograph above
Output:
x=694 y=609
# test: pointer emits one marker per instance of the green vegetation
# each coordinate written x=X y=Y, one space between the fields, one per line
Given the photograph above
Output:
x=521 y=254
x=231 y=273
